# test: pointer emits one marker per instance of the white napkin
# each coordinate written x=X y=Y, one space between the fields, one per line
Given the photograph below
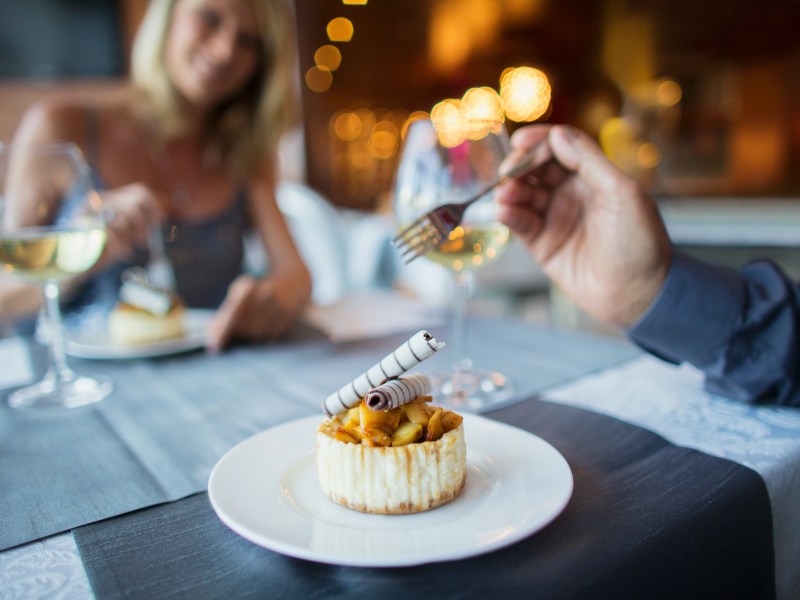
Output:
x=17 y=369
x=372 y=314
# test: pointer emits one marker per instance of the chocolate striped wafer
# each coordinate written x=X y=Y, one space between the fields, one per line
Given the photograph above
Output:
x=418 y=347
x=395 y=392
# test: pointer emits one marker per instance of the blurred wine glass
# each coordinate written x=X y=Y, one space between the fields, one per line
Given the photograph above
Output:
x=438 y=166
x=51 y=230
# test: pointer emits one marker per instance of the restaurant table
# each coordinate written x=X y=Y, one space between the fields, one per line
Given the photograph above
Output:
x=677 y=493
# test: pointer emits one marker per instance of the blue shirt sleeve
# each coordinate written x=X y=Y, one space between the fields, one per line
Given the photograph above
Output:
x=741 y=328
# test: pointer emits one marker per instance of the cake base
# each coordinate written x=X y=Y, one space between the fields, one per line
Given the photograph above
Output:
x=132 y=326
x=393 y=480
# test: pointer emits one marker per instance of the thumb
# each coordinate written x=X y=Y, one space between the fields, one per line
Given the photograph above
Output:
x=578 y=152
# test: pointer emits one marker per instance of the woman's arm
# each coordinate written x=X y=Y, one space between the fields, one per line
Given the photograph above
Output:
x=131 y=210
x=264 y=309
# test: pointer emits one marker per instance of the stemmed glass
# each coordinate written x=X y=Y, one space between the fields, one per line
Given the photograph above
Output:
x=51 y=230
x=440 y=166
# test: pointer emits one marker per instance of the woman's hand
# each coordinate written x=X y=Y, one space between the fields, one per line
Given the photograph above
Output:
x=131 y=212
x=592 y=228
x=254 y=310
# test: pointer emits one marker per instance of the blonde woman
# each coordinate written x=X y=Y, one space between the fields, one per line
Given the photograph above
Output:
x=190 y=148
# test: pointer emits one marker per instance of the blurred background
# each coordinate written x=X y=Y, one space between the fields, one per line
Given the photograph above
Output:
x=698 y=100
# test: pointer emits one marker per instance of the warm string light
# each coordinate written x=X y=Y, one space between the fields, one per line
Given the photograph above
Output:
x=364 y=145
x=525 y=94
x=328 y=58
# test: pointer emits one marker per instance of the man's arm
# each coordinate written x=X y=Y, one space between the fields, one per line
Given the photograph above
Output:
x=741 y=328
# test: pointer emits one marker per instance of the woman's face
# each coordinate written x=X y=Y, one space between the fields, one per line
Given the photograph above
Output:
x=213 y=49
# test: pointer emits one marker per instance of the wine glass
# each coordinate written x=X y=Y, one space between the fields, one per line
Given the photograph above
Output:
x=436 y=167
x=51 y=230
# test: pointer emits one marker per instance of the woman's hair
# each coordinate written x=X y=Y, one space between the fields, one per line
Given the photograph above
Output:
x=245 y=129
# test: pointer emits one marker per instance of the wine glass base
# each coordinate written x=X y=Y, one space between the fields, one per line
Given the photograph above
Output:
x=51 y=393
x=470 y=390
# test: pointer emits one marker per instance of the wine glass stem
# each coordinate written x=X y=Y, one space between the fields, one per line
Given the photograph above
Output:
x=462 y=284
x=58 y=358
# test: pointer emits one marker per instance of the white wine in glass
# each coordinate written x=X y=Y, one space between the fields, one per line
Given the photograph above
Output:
x=51 y=230
x=435 y=170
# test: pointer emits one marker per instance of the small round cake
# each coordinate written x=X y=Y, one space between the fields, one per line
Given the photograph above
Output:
x=405 y=460
x=145 y=313
x=132 y=325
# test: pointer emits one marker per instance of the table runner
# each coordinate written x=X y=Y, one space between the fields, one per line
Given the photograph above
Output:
x=169 y=420
x=647 y=519
x=670 y=401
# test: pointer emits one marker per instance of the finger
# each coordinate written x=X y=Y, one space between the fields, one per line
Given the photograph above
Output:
x=232 y=311
x=515 y=192
x=121 y=230
x=138 y=222
x=579 y=153
x=525 y=138
x=525 y=222
x=124 y=225
x=522 y=141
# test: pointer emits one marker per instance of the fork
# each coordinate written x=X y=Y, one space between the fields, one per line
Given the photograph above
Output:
x=159 y=269
x=433 y=228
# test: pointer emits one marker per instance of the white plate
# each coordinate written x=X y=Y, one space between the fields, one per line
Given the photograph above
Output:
x=97 y=344
x=266 y=490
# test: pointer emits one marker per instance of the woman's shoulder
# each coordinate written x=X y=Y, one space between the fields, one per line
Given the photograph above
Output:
x=65 y=117
x=51 y=119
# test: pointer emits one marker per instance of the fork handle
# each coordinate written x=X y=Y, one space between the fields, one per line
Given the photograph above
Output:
x=537 y=156
x=529 y=162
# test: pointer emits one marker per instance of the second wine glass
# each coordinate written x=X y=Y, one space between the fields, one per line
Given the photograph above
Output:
x=51 y=231
x=435 y=169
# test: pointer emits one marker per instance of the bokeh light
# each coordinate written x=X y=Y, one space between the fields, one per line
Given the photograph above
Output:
x=481 y=112
x=525 y=93
x=340 y=29
x=668 y=93
x=384 y=140
x=318 y=79
x=448 y=121
x=346 y=125
x=648 y=155
x=414 y=116
x=328 y=56
x=472 y=117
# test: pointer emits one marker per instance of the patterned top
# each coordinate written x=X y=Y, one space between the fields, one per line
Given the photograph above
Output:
x=206 y=255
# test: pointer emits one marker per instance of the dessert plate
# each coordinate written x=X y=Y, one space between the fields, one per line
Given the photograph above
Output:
x=266 y=490
x=96 y=343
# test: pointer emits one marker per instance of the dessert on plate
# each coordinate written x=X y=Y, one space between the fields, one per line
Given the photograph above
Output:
x=145 y=314
x=392 y=452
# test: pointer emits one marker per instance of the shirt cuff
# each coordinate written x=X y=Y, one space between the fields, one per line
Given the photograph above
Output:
x=694 y=314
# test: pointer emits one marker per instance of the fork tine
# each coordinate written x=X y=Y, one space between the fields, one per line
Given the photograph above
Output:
x=422 y=246
x=419 y=233
x=410 y=231
x=160 y=269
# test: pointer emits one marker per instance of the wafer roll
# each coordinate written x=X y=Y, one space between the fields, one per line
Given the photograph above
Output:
x=395 y=392
x=419 y=347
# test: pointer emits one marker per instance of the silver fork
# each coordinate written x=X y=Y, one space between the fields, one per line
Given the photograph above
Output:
x=159 y=269
x=433 y=228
